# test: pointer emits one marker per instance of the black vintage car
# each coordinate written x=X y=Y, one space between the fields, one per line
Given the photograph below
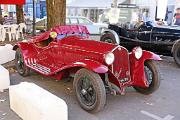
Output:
x=158 y=38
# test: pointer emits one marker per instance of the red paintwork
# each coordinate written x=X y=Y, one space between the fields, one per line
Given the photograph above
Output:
x=74 y=52
x=19 y=2
x=137 y=68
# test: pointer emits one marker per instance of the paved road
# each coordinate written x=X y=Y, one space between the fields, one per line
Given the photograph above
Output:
x=164 y=104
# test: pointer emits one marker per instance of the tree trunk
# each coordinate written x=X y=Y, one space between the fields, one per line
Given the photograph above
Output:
x=19 y=14
x=56 y=12
x=1 y=18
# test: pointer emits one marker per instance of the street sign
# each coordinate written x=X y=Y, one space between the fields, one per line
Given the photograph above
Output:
x=19 y=2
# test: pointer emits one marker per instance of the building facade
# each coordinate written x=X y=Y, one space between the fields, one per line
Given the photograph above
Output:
x=40 y=8
x=162 y=9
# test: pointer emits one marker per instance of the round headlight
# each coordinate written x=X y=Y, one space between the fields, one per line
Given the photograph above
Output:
x=109 y=58
x=138 y=52
x=53 y=34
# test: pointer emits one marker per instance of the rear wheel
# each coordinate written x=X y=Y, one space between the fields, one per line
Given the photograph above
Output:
x=108 y=37
x=20 y=66
x=90 y=90
x=176 y=53
x=152 y=76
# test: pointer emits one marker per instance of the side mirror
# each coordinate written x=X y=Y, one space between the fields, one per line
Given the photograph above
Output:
x=53 y=35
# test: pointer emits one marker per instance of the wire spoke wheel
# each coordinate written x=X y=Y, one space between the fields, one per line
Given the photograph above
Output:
x=148 y=74
x=90 y=90
x=86 y=91
x=20 y=62
x=20 y=66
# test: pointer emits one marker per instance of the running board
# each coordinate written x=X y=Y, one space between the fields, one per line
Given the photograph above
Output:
x=38 y=67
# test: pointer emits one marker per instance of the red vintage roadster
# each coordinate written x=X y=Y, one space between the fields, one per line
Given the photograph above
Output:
x=98 y=67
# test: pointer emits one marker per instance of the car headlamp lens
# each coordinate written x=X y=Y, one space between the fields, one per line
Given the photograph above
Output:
x=109 y=58
x=53 y=34
x=138 y=52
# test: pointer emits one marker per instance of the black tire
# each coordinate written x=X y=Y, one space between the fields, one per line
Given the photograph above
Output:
x=154 y=81
x=108 y=37
x=176 y=53
x=91 y=98
x=22 y=69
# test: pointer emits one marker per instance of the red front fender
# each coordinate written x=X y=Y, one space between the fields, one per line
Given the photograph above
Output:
x=137 y=68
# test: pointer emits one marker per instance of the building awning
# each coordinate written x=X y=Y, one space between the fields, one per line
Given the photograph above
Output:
x=12 y=2
x=91 y=3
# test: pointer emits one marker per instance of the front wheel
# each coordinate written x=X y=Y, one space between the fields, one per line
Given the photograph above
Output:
x=176 y=53
x=90 y=90
x=152 y=76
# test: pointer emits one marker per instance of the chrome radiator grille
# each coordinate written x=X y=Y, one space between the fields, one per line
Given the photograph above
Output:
x=120 y=67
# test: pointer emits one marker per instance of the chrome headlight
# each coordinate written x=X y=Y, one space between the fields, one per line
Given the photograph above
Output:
x=109 y=58
x=138 y=52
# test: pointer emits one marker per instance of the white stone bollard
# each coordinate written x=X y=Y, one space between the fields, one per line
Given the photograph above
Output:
x=6 y=53
x=32 y=102
x=4 y=79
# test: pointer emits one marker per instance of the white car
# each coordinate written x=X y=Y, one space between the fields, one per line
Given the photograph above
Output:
x=94 y=28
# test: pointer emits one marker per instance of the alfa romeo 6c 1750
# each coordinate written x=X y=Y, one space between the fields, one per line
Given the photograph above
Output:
x=98 y=68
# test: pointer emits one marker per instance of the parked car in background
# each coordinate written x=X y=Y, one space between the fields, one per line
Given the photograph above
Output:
x=164 y=40
x=135 y=28
x=98 y=67
x=93 y=28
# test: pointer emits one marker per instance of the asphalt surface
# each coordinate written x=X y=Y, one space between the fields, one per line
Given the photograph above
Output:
x=164 y=104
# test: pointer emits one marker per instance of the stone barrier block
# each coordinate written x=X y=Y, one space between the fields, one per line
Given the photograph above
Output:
x=6 y=53
x=4 y=79
x=32 y=102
